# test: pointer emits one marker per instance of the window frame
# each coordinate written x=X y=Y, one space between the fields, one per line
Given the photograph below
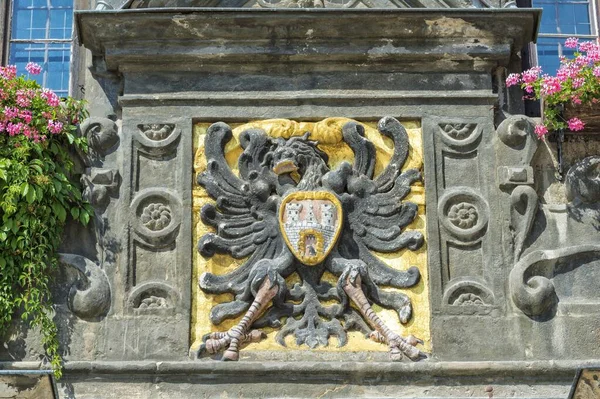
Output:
x=593 y=36
x=6 y=16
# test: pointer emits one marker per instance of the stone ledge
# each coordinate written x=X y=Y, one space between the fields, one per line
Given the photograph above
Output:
x=548 y=369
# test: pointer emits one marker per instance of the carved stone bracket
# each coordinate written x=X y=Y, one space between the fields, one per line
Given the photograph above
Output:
x=531 y=287
x=524 y=205
x=102 y=135
x=514 y=157
x=156 y=215
x=100 y=184
x=515 y=152
x=90 y=295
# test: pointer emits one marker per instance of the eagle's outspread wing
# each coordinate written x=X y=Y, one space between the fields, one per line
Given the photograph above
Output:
x=244 y=216
x=374 y=208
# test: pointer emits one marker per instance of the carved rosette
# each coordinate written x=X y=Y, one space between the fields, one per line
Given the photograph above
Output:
x=464 y=214
x=157 y=216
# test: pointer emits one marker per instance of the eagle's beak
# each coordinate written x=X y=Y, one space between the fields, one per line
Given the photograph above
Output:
x=285 y=166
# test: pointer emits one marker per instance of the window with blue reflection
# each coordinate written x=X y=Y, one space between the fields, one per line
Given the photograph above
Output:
x=41 y=32
x=561 y=19
x=565 y=17
x=549 y=50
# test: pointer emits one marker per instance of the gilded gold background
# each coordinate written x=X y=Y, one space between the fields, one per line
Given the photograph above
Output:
x=328 y=133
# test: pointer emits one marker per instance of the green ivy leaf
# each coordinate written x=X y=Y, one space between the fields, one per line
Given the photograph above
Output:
x=30 y=196
x=60 y=211
x=24 y=189
x=84 y=218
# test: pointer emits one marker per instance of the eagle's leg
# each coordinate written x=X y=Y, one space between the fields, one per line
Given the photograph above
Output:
x=240 y=334
x=352 y=285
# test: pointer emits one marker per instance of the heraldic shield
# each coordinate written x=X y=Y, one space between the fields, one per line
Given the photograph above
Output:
x=311 y=222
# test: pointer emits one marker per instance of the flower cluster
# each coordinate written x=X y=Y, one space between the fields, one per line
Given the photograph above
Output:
x=577 y=82
x=29 y=111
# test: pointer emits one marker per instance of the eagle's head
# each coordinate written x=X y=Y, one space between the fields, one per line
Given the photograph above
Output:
x=298 y=156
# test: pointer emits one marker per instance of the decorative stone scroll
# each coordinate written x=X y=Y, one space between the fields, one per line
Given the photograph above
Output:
x=89 y=296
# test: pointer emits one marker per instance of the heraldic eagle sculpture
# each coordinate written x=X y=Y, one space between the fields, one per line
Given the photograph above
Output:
x=287 y=213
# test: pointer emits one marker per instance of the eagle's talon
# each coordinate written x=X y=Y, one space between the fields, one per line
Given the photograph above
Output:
x=396 y=354
x=377 y=337
x=414 y=341
x=230 y=356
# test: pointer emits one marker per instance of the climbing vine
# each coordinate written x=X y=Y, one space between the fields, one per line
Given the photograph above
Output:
x=38 y=134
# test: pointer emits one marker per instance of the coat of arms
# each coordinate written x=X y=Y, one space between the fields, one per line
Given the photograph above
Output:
x=287 y=212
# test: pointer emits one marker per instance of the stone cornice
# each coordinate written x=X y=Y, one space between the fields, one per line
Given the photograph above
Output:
x=342 y=39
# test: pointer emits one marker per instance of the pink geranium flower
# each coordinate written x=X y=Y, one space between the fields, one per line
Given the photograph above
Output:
x=578 y=82
x=11 y=112
x=54 y=127
x=14 y=128
x=50 y=97
x=575 y=124
x=8 y=72
x=23 y=99
x=550 y=85
x=571 y=42
x=541 y=130
x=531 y=75
x=26 y=116
x=588 y=46
x=33 y=68
x=513 y=79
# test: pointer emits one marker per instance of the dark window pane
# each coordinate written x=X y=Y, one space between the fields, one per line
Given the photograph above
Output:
x=549 y=50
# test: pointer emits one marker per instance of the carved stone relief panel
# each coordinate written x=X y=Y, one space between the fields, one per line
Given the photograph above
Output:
x=154 y=277
x=463 y=215
x=349 y=158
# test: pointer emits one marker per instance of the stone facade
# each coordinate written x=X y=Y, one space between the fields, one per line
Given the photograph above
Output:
x=512 y=253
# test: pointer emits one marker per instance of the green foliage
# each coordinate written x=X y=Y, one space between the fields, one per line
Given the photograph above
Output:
x=36 y=198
